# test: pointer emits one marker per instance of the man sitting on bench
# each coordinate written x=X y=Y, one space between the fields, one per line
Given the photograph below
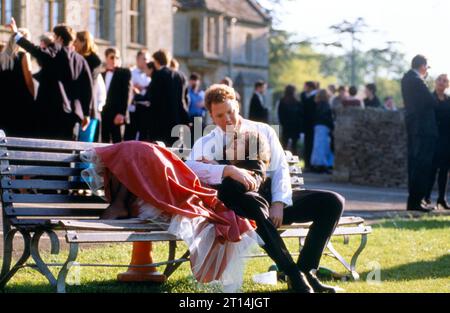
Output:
x=322 y=208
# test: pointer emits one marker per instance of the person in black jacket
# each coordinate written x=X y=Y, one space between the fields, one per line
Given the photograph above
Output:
x=441 y=161
x=372 y=100
x=307 y=98
x=119 y=93
x=422 y=132
x=258 y=110
x=290 y=113
x=69 y=97
x=167 y=106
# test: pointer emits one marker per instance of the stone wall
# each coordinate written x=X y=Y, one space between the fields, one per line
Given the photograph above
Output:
x=371 y=148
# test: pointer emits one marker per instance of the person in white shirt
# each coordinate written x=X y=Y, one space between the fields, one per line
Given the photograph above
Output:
x=140 y=82
x=323 y=208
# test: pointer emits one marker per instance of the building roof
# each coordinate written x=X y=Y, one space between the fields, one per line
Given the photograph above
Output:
x=244 y=10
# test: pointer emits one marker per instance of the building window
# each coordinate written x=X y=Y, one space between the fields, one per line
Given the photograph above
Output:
x=137 y=21
x=249 y=48
x=212 y=38
x=53 y=14
x=9 y=9
x=99 y=17
x=195 y=35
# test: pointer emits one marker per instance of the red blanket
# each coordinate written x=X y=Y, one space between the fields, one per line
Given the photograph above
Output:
x=159 y=178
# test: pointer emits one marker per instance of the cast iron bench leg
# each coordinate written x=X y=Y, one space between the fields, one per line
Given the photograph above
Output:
x=73 y=253
x=356 y=256
x=40 y=264
x=8 y=273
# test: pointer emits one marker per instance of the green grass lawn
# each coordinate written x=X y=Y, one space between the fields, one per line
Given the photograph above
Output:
x=413 y=255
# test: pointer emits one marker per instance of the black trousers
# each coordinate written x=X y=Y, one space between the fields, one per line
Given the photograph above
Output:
x=131 y=129
x=420 y=163
x=110 y=131
x=322 y=208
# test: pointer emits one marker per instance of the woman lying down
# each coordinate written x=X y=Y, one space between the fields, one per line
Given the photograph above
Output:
x=146 y=181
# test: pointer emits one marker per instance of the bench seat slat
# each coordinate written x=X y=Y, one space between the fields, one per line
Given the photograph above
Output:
x=39 y=156
x=103 y=225
x=39 y=198
x=340 y=231
x=344 y=221
x=107 y=237
x=22 y=170
x=42 y=184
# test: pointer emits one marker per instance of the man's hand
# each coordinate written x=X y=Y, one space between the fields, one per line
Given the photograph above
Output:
x=119 y=120
x=13 y=25
x=85 y=123
x=245 y=177
x=277 y=214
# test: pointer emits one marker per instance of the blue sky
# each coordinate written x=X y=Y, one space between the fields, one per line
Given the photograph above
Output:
x=421 y=26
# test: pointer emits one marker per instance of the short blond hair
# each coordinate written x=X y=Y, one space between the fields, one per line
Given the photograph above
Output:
x=219 y=93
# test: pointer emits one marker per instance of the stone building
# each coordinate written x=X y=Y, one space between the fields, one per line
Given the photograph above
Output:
x=215 y=38
x=128 y=25
x=219 y=38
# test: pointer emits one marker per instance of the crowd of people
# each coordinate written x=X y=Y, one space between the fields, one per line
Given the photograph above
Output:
x=79 y=94
x=313 y=113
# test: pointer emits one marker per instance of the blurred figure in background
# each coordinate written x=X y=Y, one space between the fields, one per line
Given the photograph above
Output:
x=290 y=113
x=322 y=159
x=389 y=104
x=258 y=110
x=85 y=45
x=140 y=81
x=353 y=100
x=17 y=108
x=119 y=91
x=337 y=101
x=371 y=100
x=309 y=106
x=441 y=160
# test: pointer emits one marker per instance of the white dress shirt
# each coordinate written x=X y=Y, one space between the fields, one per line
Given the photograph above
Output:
x=139 y=77
x=211 y=146
x=108 y=78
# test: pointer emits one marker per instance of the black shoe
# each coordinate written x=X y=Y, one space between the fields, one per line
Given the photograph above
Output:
x=317 y=285
x=418 y=208
x=426 y=202
x=442 y=205
x=299 y=283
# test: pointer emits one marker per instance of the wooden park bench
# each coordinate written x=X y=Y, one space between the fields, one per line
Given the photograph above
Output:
x=42 y=193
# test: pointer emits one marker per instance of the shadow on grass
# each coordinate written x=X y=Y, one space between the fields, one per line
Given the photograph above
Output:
x=417 y=270
x=109 y=286
x=417 y=225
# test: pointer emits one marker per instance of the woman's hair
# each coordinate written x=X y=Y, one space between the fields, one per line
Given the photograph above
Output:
x=353 y=91
x=151 y=66
x=289 y=94
x=10 y=51
x=89 y=46
x=219 y=94
x=66 y=33
x=174 y=64
x=322 y=96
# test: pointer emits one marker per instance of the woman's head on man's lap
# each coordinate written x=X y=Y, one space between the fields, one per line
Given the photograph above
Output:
x=249 y=146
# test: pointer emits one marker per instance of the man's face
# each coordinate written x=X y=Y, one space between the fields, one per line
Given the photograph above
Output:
x=442 y=83
x=142 y=61
x=262 y=90
x=112 y=61
x=225 y=114
x=194 y=84
x=423 y=70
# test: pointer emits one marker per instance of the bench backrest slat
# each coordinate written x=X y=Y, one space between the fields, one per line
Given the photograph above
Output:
x=25 y=170
x=8 y=183
x=40 y=156
x=52 y=212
